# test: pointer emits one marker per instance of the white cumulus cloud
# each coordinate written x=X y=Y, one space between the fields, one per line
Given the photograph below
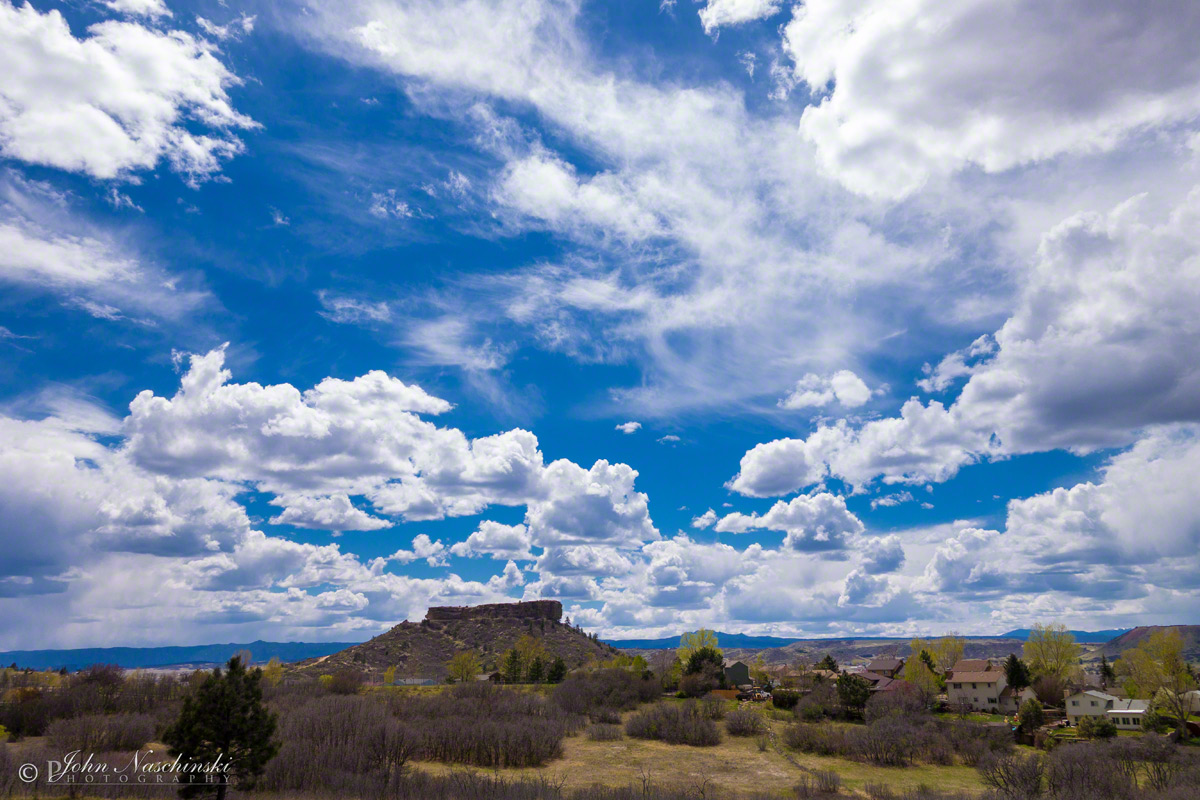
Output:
x=93 y=105
x=930 y=87
x=815 y=391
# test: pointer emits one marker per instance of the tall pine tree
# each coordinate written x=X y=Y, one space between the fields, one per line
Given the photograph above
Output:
x=1016 y=674
x=224 y=722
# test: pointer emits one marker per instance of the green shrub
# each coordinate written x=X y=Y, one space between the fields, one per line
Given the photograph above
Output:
x=1097 y=728
x=785 y=698
x=1031 y=715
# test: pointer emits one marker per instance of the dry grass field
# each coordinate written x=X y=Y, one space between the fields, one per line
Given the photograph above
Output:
x=736 y=765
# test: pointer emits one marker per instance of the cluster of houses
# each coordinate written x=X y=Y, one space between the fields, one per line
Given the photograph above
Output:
x=979 y=685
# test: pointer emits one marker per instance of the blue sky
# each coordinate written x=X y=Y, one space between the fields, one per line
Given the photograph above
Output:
x=820 y=318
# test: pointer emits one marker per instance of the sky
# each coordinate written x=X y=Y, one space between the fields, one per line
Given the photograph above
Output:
x=843 y=317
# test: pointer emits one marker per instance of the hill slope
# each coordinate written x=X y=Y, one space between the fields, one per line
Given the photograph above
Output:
x=421 y=649
x=1130 y=640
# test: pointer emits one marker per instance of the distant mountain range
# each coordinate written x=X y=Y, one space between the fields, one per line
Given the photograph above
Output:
x=138 y=657
x=741 y=641
x=1088 y=637
x=260 y=651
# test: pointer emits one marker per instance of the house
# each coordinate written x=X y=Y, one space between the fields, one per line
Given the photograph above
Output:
x=1010 y=701
x=737 y=673
x=887 y=666
x=1087 y=703
x=971 y=665
x=978 y=691
x=889 y=685
x=873 y=678
x=1125 y=713
x=414 y=682
x=881 y=683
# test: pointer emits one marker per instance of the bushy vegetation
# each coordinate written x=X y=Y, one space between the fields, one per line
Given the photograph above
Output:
x=1147 y=767
x=340 y=745
x=745 y=722
x=899 y=741
x=101 y=732
x=785 y=699
x=712 y=708
x=485 y=725
x=34 y=700
x=346 y=681
x=376 y=735
x=820 y=783
x=605 y=732
x=1097 y=728
x=905 y=701
x=821 y=703
x=674 y=723
x=585 y=691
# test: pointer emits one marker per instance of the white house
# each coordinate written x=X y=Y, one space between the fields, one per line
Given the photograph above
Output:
x=1128 y=714
x=1193 y=700
x=1090 y=703
x=1125 y=714
x=979 y=691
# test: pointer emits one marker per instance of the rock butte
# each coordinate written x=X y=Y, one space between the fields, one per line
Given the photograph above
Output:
x=536 y=609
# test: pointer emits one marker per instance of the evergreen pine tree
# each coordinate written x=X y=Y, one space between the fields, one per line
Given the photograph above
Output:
x=511 y=668
x=224 y=722
x=1107 y=673
x=537 y=670
x=558 y=670
x=1016 y=674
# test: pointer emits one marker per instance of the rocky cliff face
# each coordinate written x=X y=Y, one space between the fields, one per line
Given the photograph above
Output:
x=537 y=609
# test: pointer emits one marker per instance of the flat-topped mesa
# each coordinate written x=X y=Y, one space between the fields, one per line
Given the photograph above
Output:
x=535 y=609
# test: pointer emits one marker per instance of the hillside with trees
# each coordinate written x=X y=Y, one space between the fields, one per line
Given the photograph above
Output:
x=488 y=633
x=1189 y=634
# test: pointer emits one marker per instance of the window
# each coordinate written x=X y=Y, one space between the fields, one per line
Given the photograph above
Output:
x=973 y=686
x=1137 y=720
x=1093 y=703
x=992 y=700
x=1074 y=702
